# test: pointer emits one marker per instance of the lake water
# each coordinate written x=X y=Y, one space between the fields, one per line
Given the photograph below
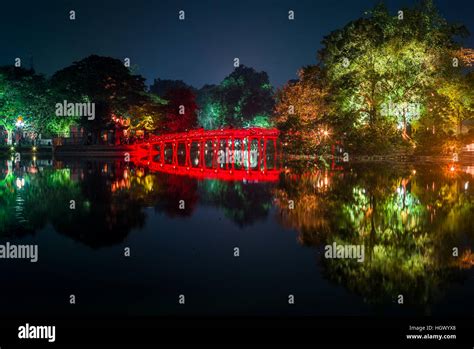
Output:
x=184 y=234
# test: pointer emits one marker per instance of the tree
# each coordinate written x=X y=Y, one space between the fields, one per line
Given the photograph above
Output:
x=210 y=115
x=467 y=56
x=460 y=100
x=300 y=111
x=180 y=110
x=23 y=102
x=380 y=67
x=161 y=86
x=241 y=97
x=149 y=115
x=104 y=81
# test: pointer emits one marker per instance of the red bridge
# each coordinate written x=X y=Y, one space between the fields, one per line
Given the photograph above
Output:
x=251 y=154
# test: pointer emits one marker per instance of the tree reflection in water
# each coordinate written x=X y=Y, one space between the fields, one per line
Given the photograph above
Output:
x=408 y=220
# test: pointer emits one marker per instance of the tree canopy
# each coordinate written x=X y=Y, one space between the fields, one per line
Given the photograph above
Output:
x=389 y=79
x=244 y=98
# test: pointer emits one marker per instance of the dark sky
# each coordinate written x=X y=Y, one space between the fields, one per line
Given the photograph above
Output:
x=199 y=50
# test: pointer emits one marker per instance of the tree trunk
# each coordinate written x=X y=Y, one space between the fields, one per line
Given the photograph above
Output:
x=404 y=126
x=9 y=137
x=405 y=123
x=372 y=116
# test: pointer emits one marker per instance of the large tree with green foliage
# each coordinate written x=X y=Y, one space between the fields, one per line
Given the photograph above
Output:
x=459 y=94
x=209 y=112
x=104 y=81
x=381 y=66
x=243 y=99
x=26 y=96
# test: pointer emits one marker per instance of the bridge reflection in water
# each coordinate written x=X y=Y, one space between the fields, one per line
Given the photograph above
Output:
x=251 y=154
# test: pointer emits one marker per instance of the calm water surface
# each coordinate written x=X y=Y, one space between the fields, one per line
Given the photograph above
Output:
x=409 y=218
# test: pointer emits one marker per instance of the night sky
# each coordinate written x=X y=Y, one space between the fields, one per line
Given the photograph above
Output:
x=199 y=50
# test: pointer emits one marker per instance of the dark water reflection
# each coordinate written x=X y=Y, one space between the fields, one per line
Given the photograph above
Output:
x=408 y=218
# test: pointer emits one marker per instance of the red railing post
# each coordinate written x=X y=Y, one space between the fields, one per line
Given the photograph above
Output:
x=264 y=153
x=233 y=151
x=175 y=153
x=248 y=152
x=214 y=154
x=162 y=150
x=187 y=148
x=276 y=153
x=201 y=154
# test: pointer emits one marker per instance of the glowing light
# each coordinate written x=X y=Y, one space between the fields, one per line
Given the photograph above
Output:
x=20 y=183
x=20 y=122
x=466 y=185
x=141 y=155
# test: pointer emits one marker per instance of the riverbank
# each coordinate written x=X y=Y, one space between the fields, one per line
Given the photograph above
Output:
x=119 y=151
x=462 y=158
x=25 y=149
x=92 y=150
x=80 y=151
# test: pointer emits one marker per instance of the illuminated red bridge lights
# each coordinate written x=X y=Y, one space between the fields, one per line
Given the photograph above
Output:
x=251 y=154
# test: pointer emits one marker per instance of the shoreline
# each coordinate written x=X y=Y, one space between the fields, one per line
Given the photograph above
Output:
x=444 y=159
x=114 y=152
